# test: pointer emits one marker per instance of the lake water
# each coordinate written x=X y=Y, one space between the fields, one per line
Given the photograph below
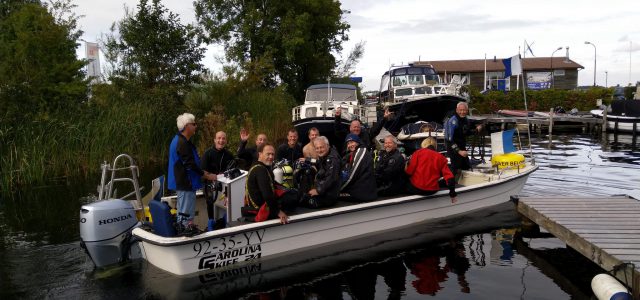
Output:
x=473 y=257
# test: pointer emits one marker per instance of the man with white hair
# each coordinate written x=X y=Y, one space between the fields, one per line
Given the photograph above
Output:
x=185 y=172
x=327 y=183
x=456 y=130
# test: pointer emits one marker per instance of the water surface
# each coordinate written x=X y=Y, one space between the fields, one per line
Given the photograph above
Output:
x=474 y=257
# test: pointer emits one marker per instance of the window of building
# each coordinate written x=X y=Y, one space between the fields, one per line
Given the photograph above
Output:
x=557 y=73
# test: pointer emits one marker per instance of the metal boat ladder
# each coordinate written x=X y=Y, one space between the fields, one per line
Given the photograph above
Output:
x=106 y=190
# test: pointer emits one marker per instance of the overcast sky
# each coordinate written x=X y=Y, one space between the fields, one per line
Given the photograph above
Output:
x=401 y=31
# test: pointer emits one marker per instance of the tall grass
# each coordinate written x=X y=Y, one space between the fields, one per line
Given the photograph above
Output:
x=70 y=144
x=223 y=107
x=74 y=143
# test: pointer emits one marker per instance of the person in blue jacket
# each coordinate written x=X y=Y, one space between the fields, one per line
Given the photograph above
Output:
x=184 y=169
x=456 y=130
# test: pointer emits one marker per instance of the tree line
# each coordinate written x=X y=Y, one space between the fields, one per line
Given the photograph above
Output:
x=54 y=124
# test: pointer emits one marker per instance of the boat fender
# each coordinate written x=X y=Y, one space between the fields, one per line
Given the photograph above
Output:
x=507 y=160
x=605 y=286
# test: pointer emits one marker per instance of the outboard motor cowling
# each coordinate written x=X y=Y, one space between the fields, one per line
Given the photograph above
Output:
x=105 y=230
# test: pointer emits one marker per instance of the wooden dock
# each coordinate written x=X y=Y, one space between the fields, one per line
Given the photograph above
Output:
x=579 y=122
x=604 y=229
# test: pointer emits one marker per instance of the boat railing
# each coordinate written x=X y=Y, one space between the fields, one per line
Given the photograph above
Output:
x=106 y=189
x=502 y=170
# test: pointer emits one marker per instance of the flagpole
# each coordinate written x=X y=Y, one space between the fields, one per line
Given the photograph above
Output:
x=526 y=109
x=484 y=88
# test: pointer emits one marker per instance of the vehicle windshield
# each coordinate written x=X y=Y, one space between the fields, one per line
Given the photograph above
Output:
x=338 y=95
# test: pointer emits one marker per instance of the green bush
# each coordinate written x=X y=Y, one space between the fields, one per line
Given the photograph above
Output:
x=543 y=100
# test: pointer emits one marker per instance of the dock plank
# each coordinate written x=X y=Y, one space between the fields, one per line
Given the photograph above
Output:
x=604 y=229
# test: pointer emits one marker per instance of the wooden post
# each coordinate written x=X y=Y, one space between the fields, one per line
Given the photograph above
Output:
x=550 y=122
x=604 y=121
x=633 y=139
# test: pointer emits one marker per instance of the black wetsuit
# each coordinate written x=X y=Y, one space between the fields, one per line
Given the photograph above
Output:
x=327 y=180
x=214 y=161
x=390 y=176
x=359 y=182
x=288 y=153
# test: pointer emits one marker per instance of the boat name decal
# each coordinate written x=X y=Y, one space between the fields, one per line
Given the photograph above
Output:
x=231 y=257
x=228 y=250
x=116 y=219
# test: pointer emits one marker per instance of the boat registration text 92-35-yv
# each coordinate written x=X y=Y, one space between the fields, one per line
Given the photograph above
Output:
x=224 y=251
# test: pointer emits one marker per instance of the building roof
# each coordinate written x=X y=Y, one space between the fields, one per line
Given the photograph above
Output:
x=477 y=65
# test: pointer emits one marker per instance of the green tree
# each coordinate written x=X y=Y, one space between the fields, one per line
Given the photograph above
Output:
x=39 y=71
x=286 y=41
x=154 y=51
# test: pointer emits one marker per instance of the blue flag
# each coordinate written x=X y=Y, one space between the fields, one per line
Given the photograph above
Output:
x=512 y=66
x=502 y=142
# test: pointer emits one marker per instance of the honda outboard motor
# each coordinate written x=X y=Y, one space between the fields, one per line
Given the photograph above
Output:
x=105 y=230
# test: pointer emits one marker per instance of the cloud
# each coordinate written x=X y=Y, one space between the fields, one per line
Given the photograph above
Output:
x=635 y=47
x=457 y=22
x=624 y=38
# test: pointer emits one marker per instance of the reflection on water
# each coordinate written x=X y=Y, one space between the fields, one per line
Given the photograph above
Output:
x=482 y=257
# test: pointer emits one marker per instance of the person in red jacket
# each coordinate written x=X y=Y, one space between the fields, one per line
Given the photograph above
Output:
x=425 y=169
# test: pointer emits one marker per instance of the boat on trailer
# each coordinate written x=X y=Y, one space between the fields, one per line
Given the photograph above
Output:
x=111 y=233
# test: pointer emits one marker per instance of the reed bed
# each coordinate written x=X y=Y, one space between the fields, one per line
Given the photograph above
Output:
x=74 y=143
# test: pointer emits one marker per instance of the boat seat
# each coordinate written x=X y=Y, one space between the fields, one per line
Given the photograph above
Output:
x=156 y=192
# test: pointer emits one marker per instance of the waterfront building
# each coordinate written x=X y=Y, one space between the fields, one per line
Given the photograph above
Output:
x=537 y=73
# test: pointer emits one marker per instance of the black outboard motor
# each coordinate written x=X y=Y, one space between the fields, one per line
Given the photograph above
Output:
x=105 y=231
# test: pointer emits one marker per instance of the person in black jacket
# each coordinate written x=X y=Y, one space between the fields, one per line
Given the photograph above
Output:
x=216 y=160
x=249 y=155
x=366 y=136
x=389 y=169
x=327 y=183
x=292 y=150
x=260 y=184
x=358 y=181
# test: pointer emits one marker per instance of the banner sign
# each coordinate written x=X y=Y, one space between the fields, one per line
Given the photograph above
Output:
x=93 y=56
x=538 y=80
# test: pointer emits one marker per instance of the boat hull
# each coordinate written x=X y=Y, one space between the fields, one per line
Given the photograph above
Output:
x=429 y=109
x=291 y=270
x=324 y=124
x=234 y=246
x=619 y=123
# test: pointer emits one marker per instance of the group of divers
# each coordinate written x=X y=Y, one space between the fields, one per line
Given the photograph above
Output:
x=322 y=176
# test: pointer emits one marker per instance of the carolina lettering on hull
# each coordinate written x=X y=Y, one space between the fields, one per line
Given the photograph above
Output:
x=230 y=257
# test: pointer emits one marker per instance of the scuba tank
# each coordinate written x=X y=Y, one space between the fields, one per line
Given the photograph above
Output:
x=283 y=173
x=278 y=174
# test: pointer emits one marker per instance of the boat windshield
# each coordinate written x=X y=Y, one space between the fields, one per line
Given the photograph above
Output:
x=338 y=95
x=413 y=76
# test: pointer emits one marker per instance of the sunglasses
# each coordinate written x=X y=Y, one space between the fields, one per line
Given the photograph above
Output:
x=194 y=124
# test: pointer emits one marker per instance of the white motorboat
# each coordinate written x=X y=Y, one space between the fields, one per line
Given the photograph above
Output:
x=416 y=93
x=624 y=115
x=320 y=103
x=111 y=234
